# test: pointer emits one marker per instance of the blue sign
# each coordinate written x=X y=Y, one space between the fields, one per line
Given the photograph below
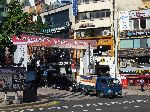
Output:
x=75 y=7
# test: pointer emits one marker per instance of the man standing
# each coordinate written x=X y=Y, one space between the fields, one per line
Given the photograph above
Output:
x=142 y=84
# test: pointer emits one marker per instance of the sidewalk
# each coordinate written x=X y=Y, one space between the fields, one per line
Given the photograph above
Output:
x=45 y=93
x=136 y=92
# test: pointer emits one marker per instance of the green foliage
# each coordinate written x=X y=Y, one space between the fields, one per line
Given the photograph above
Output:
x=16 y=20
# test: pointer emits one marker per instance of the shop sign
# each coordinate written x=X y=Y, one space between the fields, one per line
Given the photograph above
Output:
x=105 y=42
x=75 y=7
x=85 y=25
x=138 y=33
x=134 y=52
x=136 y=72
x=58 y=29
x=139 y=13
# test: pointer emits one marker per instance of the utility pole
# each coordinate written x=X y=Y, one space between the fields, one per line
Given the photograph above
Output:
x=115 y=25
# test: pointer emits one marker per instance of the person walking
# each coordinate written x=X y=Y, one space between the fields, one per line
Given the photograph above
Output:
x=142 y=84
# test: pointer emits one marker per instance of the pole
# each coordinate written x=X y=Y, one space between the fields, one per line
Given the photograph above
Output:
x=115 y=37
x=89 y=55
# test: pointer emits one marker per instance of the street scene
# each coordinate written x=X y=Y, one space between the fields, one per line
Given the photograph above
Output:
x=74 y=55
x=65 y=101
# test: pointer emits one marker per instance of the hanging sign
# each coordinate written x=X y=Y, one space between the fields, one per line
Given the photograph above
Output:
x=53 y=42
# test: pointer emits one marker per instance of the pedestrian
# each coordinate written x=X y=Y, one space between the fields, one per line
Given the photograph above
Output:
x=142 y=84
x=38 y=78
x=30 y=91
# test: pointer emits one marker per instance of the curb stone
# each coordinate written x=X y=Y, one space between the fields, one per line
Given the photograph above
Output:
x=29 y=105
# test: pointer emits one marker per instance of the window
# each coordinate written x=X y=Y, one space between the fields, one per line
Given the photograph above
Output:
x=87 y=15
x=143 y=23
x=126 y=43
x=107 y=13
x=92 y=15
x=97 y=14
x=148 y=23
x=136 y=24
x=131 y=24
x=143 y=43
x=148 y=42
x=136 y=43
x=102 y=14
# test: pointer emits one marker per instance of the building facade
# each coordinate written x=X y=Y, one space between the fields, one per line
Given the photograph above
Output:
x=133 y=55
x=94 y=22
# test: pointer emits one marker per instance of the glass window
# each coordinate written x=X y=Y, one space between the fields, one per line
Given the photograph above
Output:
x=136 y=24
x=143 y=43
x=108 y=13
x=136 y=43
x=148 y=23
x=93 y=15
x=97 y=14
x=81 y=16
x=86 y=1
x=102 y=14
x=148 y=42
x=126 y=43
x=87 y=15
x=131 y=24
x=143 y=23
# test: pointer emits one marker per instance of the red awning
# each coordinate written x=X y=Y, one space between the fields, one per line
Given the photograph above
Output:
x=144 y=76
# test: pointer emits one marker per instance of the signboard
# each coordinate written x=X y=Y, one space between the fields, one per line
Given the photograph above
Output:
x=53 y=42
x=134 y=53
x=86 y=25
x=124 y=20
x=12 y=79
x=58 y=29
x=139 y=13
x=75 y=7
x=124 y=81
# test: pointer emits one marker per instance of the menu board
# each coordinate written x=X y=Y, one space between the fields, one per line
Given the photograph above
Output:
x=12 y=79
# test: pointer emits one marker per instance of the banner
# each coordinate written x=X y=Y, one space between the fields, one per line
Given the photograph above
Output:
x=53 y=42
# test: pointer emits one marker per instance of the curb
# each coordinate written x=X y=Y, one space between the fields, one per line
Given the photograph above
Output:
x=28 y=105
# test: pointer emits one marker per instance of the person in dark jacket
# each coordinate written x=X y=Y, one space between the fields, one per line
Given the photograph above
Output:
x=30 y=91
x=38 y=78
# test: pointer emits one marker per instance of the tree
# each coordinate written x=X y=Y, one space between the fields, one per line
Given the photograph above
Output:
x=16 y=20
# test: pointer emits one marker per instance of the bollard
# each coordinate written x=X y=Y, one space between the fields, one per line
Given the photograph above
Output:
x=5 y=102
x=16 y=95
x=16 y=101
x=5 y=96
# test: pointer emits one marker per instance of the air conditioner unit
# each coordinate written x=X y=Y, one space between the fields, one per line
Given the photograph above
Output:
x=123 y=64
x=105 y=32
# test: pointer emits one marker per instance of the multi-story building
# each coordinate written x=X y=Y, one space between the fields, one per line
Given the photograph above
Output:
x=134 y=45
x=94 y=22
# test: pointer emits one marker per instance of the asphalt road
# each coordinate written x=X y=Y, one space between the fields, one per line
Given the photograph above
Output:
x=130 y=103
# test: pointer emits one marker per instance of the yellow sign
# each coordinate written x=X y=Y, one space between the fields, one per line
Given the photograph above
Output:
x=105 y=42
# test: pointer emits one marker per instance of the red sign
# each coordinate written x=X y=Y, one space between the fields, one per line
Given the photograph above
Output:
x=124 y=81
x=53 y=42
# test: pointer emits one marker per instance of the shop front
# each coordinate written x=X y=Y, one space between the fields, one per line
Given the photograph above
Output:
x=131 y=80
